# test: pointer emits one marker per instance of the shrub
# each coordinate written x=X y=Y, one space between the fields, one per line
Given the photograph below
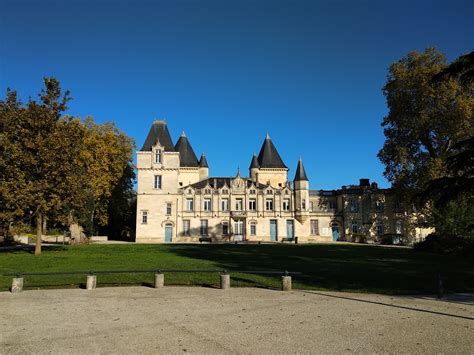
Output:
x=446 y=244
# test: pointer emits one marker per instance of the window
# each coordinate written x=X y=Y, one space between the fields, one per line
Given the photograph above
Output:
x=269 y=204
x=332 y=204
x=252 y=204
x=186 y=227
x=225 y=192
x=354 y=205
x=269 y=192
x=157 y=182
x=238 y=204
x=207 y=191
x=311 y=206
x=252 y=192
x=253 y=228
x=189 y=204
x=314 y=227
x=225 y=228
x=144 y=217
x=203 y=226
x=379 y=228
x=168 y=208
x=286 y=204
x=303 y=205
x=379 y=206
x=207 y=204
x=354 y=227
x=398 y=227
x=158 y=156
x=225 y=204
x=397 y=206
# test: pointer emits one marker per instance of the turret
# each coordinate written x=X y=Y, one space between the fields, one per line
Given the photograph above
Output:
x=188 y=162
x=301 y=184
x=203 y=168
x=254 y=167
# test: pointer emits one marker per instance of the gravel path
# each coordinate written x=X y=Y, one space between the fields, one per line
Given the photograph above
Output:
x=240 y=320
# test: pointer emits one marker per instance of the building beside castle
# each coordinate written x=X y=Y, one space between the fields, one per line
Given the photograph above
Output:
x=178 y=202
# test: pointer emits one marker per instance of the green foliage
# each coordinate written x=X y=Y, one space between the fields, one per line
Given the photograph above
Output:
x=447 y=244
x=56 y=167
x=431 y=107
x=426 y=118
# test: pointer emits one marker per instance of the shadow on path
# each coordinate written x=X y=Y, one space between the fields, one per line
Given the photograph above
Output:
x=387 y=305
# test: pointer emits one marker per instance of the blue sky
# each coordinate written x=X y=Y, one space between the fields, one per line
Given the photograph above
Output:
x=309 y=73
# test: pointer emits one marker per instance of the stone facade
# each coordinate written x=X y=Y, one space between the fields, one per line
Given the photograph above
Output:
x=178 y=202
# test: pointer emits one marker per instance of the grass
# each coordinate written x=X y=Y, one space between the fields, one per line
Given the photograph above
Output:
x=343 y=267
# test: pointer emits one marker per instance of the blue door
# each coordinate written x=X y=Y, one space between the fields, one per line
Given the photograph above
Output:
x=168 y=233
x=273 y=230
x=335 y=232
x=290 y=230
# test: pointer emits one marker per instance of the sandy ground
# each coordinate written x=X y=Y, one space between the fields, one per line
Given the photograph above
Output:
x=240 y=320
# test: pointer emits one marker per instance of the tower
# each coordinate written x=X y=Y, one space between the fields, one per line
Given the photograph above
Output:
x=271 y=169
x=254 y=167
x=301 y=189
x=203 y=168
x=157 y=176
x=188 y=162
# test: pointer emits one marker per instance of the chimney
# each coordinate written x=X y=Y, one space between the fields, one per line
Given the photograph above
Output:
x=364 y=182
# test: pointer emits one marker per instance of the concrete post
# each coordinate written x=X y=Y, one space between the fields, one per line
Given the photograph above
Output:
x=286 y=283
x=225 y=281
x=17 y=285
x=91 y=282
x=159 y=280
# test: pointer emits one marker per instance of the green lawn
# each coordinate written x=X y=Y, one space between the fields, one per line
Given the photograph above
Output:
x=347 y=267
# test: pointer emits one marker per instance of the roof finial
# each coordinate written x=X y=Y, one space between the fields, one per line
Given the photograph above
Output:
x=268 y=136
x=238 y=171
x=183 y=134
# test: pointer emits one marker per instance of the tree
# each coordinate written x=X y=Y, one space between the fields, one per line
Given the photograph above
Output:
x=430 y=110
x=107 y=157
x=41 y=170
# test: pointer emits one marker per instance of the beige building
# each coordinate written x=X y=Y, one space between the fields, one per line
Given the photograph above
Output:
x=178 y=202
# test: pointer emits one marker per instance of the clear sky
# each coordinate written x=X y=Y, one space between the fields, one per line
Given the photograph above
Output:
x=309 y=73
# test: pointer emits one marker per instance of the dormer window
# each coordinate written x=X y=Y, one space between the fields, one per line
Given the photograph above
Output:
x=225 y=192
x=269 y=192
x=158 y=156
x=252 y=192
x=207 y=191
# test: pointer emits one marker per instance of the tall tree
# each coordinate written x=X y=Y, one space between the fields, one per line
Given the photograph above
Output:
x=107 y=157
x=430 y=110
x=40 y=156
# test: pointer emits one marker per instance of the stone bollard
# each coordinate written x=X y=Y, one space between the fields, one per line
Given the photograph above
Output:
x=159 y=280
x=225 y=281
x=17 y=285
x=286 y=283
x=91 y=282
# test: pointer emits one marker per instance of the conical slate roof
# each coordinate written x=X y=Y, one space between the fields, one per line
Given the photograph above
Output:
x=300 y=172
x=187 y=157
x=158 y=132
x=269 y=157
x=203 y=161
x=254 y=164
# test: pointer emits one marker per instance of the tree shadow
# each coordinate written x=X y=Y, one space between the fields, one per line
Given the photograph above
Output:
x=386 y=304
x=340 y=267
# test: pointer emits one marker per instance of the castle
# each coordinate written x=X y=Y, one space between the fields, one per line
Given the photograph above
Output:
x=178 y=202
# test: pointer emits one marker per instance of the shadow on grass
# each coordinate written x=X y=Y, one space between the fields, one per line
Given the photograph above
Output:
x=342 y=267
x=30 y=249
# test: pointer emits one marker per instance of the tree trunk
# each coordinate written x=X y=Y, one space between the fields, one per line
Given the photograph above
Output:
x=39 y=230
